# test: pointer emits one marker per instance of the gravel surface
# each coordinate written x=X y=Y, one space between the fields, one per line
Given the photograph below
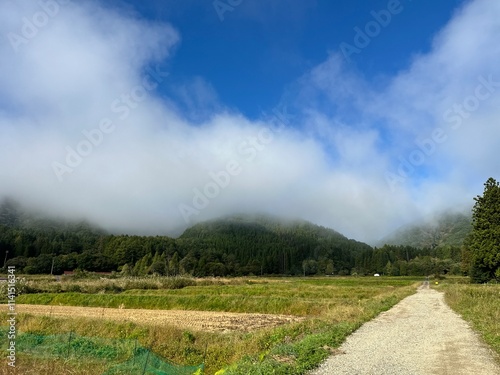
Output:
x=421 y=335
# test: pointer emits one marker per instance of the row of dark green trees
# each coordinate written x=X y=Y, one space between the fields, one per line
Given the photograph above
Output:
x=219 y=248
x=244 y=245
x=229 y=247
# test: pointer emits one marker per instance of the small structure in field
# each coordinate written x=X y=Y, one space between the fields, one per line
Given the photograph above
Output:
x=376 y=275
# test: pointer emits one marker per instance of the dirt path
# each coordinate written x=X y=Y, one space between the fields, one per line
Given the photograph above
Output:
x=421 y=335
x=208 y=321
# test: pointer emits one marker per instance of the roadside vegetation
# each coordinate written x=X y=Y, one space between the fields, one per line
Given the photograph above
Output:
x=477 y=304
x=334 y=306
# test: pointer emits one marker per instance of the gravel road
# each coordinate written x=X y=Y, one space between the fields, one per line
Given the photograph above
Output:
x=421 y=335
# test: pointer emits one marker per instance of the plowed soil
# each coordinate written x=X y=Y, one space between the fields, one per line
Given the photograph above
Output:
x=208 y=321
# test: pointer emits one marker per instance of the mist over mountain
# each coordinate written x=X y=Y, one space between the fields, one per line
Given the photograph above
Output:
x=234 y=245
x=448 y=228
x=14 y=214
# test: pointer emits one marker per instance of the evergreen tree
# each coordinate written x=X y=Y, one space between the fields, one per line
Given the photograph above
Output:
x=173 y=265
x=126 y=270
x=329 y=268
x=484 y=240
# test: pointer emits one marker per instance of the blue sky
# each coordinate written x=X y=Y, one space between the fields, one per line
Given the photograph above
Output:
x=146 y=117
x=261 y=47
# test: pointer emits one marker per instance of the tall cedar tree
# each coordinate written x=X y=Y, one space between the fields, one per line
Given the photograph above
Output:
x=484 y=240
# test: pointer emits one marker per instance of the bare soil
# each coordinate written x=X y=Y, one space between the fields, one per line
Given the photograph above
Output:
x=207 y=321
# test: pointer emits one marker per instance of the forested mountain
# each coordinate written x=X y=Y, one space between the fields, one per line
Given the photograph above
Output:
x=447 y=229
x=266 y=244
x=28 y=234
x=234 y=245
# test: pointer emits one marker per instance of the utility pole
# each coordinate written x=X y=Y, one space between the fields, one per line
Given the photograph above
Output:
x=52 y=267
x=5 y=260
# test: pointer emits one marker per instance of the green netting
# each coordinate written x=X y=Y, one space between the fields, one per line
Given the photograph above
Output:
x=121 y=356
x=147 y=363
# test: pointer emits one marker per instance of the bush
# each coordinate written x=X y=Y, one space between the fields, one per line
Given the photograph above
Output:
x=177 y=283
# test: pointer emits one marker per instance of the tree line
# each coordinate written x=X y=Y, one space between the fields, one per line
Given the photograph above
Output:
x=394 y=260
x=244 y=245
x=227 y=247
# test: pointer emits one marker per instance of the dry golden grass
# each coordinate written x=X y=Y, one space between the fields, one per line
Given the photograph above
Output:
x=478 y=304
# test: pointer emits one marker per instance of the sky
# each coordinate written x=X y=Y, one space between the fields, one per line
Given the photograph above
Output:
x=146 y=117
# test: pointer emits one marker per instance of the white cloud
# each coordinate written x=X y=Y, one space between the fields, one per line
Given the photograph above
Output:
x=418 y=104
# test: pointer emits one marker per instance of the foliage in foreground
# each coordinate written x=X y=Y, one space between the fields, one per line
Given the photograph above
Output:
x=479 y=305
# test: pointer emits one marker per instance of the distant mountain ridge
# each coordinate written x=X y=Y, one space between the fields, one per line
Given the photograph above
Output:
x=445 y=229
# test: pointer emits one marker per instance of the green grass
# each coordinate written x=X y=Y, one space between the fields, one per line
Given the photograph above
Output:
x=335 y=308
x=302 y=297
x=478 y=304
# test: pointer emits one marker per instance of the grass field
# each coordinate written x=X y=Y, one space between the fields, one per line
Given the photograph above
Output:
x=302 y=297
x=334 y=307
x=478 y=304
